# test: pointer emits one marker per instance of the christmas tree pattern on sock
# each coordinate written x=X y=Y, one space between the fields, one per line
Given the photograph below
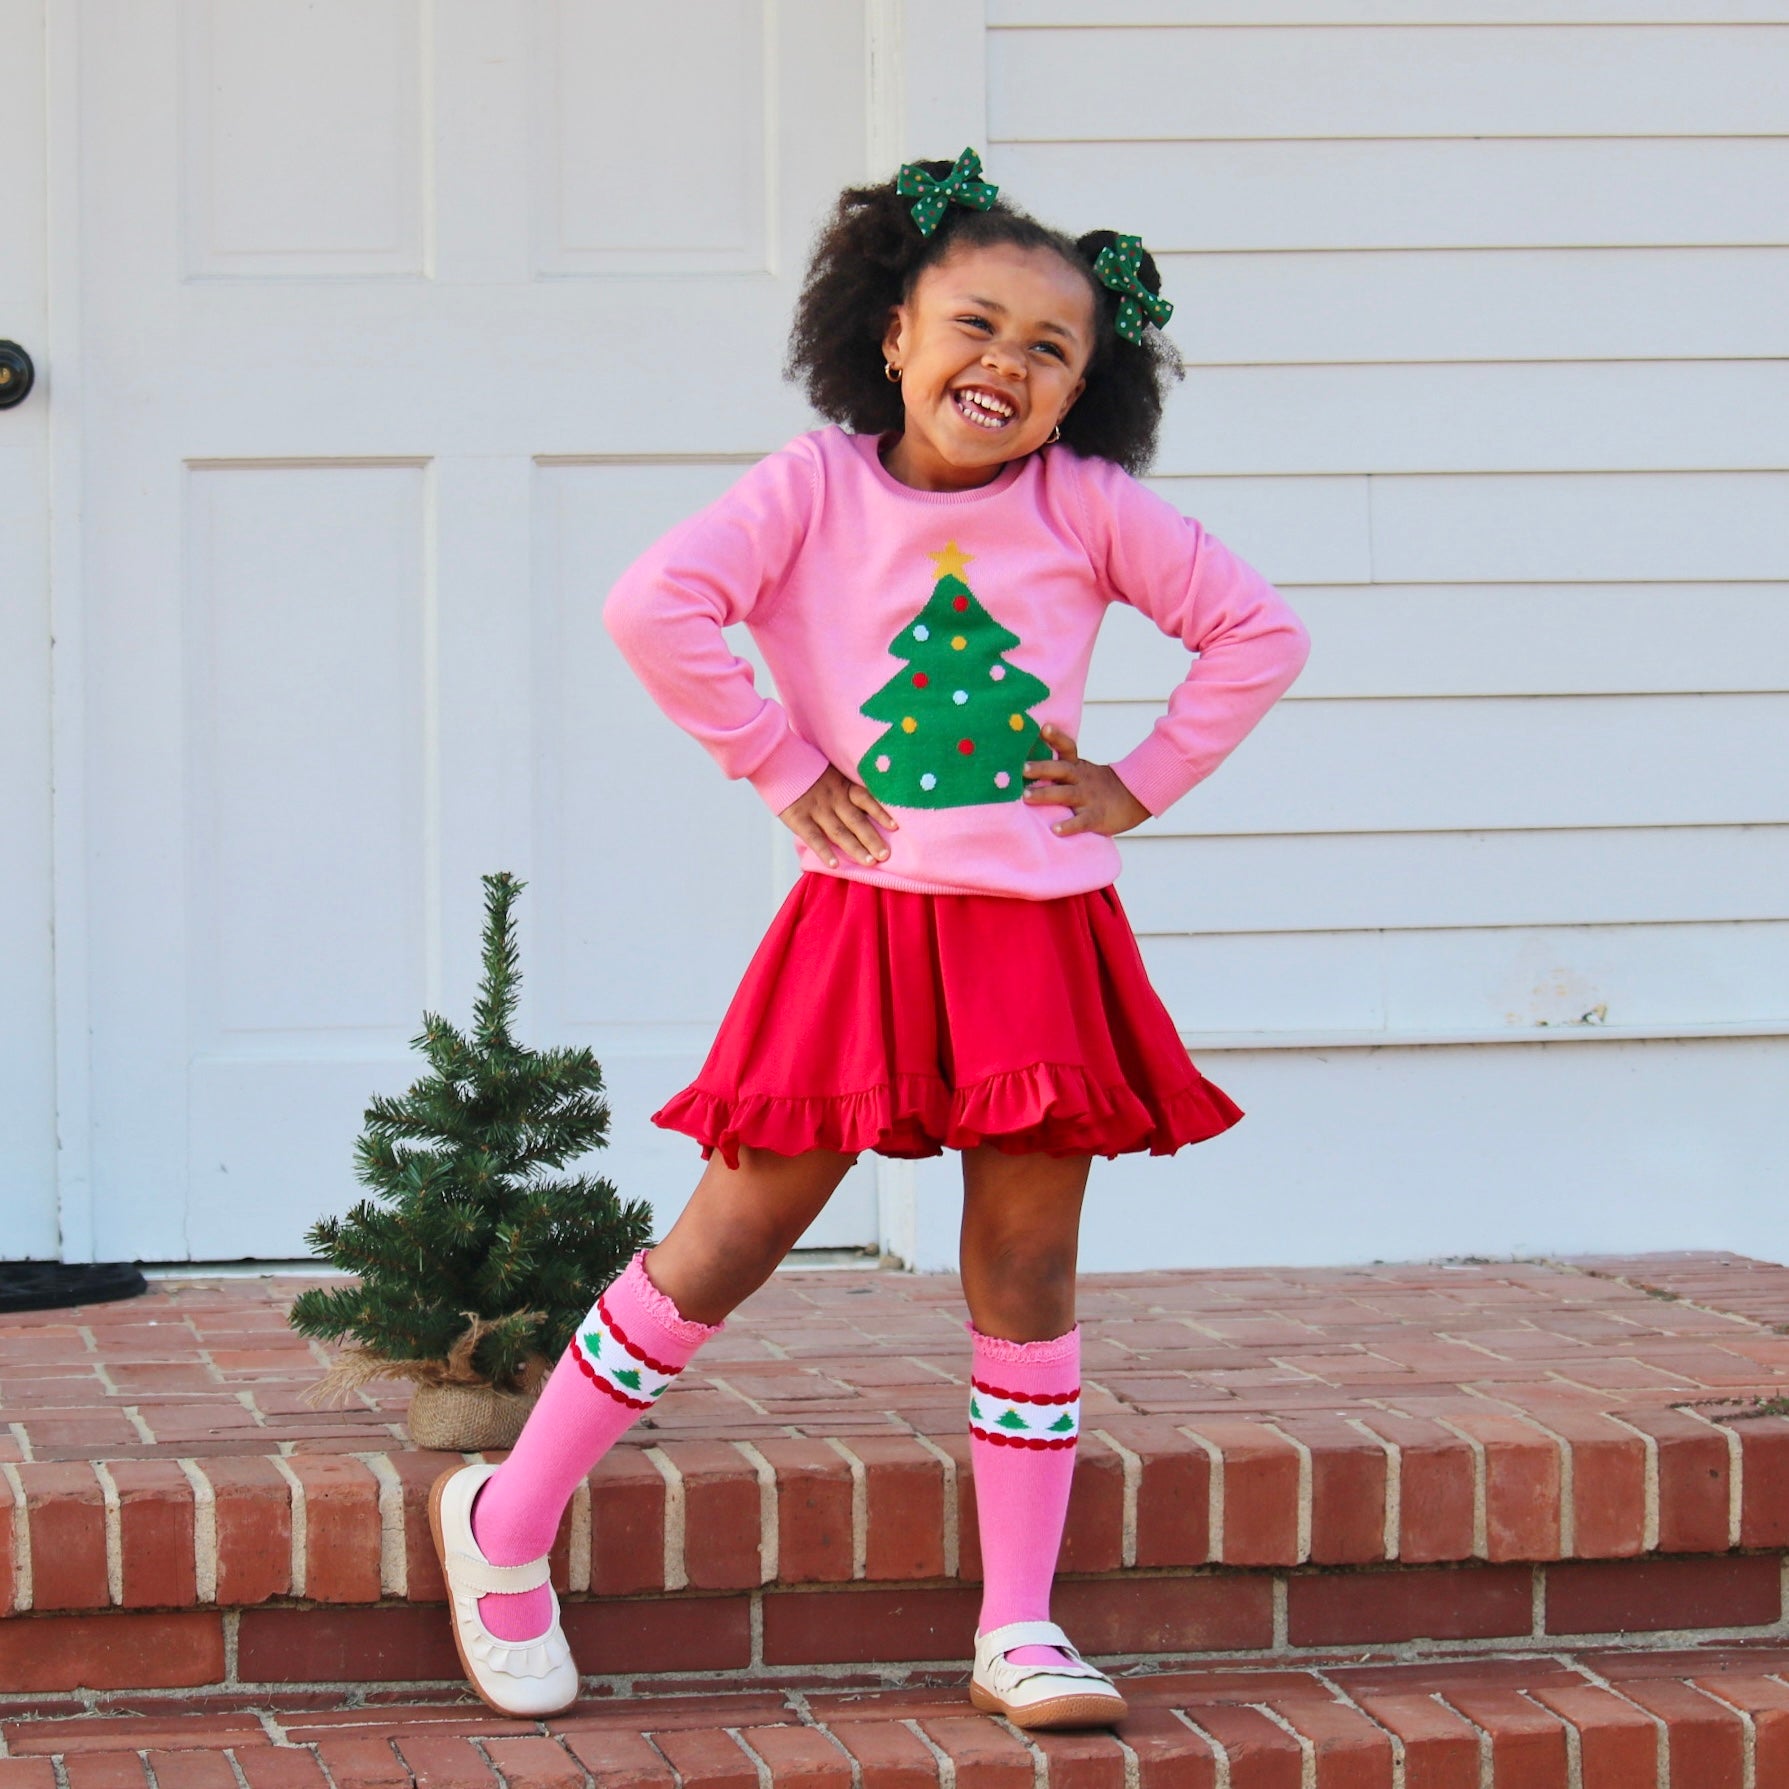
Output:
x=958 y=731
x=1023 y=1419
x=613 y=1361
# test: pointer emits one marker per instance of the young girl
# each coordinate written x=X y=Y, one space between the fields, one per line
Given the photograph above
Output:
x=953 y=969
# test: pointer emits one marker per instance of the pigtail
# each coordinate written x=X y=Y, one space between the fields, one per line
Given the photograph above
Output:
x=1119 y=415
x=864 y=263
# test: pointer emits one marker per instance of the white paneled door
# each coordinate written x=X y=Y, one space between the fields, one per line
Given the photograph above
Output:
x=404 y=325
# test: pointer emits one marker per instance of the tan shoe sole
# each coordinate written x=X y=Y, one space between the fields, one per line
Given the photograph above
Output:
x=1059 y=1711
x=453 y=1624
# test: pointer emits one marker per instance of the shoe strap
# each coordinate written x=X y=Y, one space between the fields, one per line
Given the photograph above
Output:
x=997 y=1642
x=471 y=1573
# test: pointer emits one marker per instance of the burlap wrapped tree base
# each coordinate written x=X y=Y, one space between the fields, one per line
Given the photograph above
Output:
x=467 y=1418
x=453 y=1406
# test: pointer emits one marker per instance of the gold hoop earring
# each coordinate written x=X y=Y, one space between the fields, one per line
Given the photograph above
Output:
x=1055 y=435
x=891 y=372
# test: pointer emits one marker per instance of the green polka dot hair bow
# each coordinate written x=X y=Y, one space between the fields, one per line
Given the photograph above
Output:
x=1117 y=269
x=963 y=185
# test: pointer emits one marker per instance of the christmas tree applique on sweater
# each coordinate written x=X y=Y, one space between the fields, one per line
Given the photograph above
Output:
x=958 y=731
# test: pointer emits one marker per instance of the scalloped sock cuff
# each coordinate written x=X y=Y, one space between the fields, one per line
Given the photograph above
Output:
x=625 y=1354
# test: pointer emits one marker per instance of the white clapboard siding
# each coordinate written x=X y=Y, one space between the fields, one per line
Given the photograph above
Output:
x=1394 y=81
x=1427 y=765
x=1280 y=308
x=1382 y=12
x=1540 y=526
x=1215 y=194
x=1496 y=529
x=1584 y=416
x=1610 y=875
x=1515 y=979
x=1407 y=1154
x=1495 y=640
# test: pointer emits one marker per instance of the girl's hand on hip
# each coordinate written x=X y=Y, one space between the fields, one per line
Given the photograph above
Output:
x=836 y=812
x=1095 y=792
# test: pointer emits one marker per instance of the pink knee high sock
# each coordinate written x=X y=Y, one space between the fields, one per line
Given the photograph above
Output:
x=630 y=1347
x=1024 y=1415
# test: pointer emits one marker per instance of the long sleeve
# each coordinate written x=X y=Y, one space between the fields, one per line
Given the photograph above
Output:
x=1250 y=644
x=667 y=610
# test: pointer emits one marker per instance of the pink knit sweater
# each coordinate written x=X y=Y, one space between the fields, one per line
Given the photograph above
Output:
x=918 y=637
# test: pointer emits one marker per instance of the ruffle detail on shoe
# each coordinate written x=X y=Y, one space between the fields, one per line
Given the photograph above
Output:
x=519 y=1658
x=1048 y=1108
x=662 y=1309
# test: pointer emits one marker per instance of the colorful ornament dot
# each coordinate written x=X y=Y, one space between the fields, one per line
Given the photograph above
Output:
x=882 y=761
x=1001 y=779
x=960 y=603
x=920 y=680
x=957 y=643
x=928 y=781
x=997 y=672
x=922 y=632
x=966 y=746
x=960 y=697
x=908 y=723
x=1016 y=722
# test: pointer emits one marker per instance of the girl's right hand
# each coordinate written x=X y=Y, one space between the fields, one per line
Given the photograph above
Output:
x=837 y=811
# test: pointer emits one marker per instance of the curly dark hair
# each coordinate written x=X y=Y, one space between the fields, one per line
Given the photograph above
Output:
x=866 y=260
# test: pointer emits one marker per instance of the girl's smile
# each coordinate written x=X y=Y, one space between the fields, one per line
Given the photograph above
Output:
x=991 y=346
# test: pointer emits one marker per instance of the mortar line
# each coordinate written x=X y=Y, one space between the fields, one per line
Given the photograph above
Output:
x=1133 y=1484
x=21 y=1539
x=767 y=1511
x=953 y=1552
x=674 y=1575
x=114 y=1527
x=1214 y=1514
x=204 y=1531
x=300 y=1522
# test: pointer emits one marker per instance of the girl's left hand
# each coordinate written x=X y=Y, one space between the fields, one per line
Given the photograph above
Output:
x=1097 y=794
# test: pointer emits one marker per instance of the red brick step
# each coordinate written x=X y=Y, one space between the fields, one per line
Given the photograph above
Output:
x=1276 y=1462
x=1714 y=1719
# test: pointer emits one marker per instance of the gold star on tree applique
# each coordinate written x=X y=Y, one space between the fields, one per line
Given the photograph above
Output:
x=951 y=560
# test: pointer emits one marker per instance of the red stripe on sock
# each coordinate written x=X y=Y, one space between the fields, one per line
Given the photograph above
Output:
x=602 y=1384
x=639 y=1353
x=1000 y=1440
x=1026 y=1397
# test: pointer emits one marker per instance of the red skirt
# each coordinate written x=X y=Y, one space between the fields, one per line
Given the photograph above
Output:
x=875 y=1018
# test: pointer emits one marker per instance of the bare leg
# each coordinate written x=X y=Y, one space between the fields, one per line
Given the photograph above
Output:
x=1021 y=1232
x=740 y=1222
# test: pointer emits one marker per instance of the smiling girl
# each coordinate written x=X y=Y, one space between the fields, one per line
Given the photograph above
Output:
x=953 y=969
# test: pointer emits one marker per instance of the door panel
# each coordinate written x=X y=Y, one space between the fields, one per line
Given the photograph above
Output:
x=28 y=1217
x=407 y=327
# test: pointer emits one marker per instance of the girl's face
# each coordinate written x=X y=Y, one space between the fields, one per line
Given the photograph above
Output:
x=992 y=347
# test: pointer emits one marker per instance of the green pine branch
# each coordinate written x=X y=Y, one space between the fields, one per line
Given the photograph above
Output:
x=469 y=1210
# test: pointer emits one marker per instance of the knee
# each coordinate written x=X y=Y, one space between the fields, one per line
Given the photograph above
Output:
x=1025 y=1288
x=1020 y=1255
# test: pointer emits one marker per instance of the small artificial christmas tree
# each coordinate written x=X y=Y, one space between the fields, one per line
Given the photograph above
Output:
x=958 y=731
x=475 y=1262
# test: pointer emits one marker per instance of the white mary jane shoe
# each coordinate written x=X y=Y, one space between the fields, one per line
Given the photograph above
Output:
x=527 y=1678
x=1040 y=1696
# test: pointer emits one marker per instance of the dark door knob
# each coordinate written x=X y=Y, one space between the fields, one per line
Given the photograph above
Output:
x=16 y=374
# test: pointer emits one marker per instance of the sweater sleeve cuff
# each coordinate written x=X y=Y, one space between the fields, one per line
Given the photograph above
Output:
x=791 y=770
x=1156 y=774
